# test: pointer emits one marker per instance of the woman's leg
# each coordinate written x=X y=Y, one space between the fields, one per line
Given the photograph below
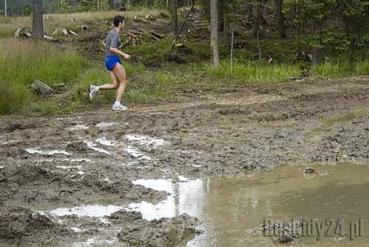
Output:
x=113 y=85
x=120 y=74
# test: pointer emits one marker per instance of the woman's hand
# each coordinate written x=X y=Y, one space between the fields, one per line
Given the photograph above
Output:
x=126 y=56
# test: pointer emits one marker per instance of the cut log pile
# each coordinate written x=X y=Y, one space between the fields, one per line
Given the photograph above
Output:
x=64 y=31
x=24 y=32
x=145 y=19
x=137 y=36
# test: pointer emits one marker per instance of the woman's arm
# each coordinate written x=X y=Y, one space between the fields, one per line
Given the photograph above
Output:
x=119 y=52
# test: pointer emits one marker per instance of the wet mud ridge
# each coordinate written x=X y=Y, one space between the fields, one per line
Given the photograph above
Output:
x=107 y=179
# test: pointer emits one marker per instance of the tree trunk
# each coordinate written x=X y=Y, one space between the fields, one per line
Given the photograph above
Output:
x=38 y=24
x=6 y=8
x=250 y=11
x=214 y=31
x=115 y=4
x=316 y=52
x=259 y=20
x=280 y=18
x=111 y=4
x=226 y=31
x=174 y=7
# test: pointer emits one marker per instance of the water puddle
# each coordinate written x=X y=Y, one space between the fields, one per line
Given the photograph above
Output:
x=139 y=143
x=105 y=142
x=78 y=127
x=86 y=211
x=93 y=146
x=72 y=168
x=328 y=208
x=136 y=153
x=146 y=140
x=104 y=125
x=156 y=184
x=46 y=152
x=95 y=241
x=78 y=160
x=135 y=145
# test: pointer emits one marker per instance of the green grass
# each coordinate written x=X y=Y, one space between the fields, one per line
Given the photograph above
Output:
x=253 y=73
x=342 y=68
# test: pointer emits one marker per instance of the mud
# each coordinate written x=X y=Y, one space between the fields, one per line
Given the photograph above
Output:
x=159 y=233
x=90 y=160
x=24 y=227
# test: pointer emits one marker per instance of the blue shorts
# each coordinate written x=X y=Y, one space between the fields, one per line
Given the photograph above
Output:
x=111 y=61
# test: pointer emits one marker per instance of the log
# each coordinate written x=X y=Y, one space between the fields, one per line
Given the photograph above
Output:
x=22 y=32
x=71 y=32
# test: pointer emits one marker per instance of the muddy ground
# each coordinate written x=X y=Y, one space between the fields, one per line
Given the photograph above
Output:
x=92 y=157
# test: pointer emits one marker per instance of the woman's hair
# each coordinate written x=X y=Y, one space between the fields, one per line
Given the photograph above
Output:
x=118 y=19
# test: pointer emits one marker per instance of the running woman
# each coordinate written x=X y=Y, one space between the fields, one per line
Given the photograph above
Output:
x=114 y=65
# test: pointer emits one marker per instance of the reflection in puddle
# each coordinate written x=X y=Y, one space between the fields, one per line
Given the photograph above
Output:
x=45 y=152
x=185 y=197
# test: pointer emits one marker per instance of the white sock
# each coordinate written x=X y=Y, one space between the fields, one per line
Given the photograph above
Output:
x=117 y=103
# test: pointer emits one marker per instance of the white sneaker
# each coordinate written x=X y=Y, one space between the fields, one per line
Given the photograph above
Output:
x=119 y=107
x=93 y=90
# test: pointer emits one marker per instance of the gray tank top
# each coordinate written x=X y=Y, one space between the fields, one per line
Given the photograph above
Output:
x=112 y=41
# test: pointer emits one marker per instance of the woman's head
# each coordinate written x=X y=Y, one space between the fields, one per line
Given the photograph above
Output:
x=118 y=21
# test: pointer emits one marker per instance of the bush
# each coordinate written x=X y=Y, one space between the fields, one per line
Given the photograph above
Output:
x=12 y=97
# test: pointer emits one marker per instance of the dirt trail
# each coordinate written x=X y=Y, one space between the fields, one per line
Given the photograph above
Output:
x=93 y=157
